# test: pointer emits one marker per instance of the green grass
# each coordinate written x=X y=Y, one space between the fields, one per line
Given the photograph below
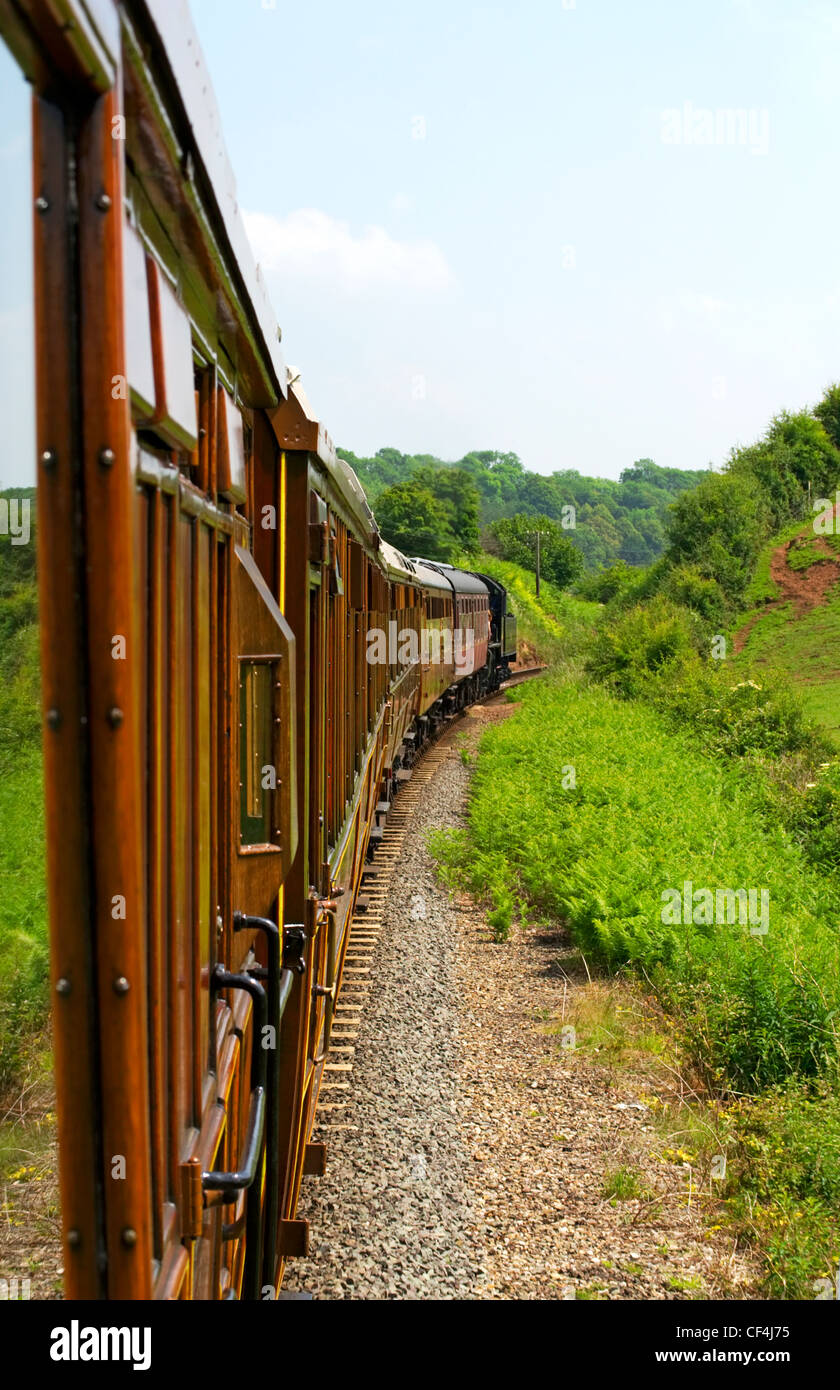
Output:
x=648 y=812
x=624 y=1185
x=779 y=1191
x=752 y=1016
x=761 y=588
x=713 y=772
x=806 y=650
x=23 y=915
x=804 y=553
x=684 y=1285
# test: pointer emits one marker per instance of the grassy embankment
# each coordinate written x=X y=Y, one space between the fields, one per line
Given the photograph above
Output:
x=23 y=918
x=26 y=1126
x=634 y=768
x=804 y=647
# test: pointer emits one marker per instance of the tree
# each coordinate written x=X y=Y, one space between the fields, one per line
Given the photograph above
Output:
x=560 y=561
x=458 y=495
x=719 y=528
x=411 y=518
x=828 y=413
x=624 y=518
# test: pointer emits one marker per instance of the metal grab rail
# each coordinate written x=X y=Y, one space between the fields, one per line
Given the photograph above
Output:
x=328 y=992
x=279 y=989
x=232 y=1182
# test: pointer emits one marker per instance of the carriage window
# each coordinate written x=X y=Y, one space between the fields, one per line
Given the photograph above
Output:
x=257 y=772
x=231 y=463
x=138 y=328
x=175 y=410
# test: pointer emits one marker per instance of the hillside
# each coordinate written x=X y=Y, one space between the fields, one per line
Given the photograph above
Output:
x=794 y=628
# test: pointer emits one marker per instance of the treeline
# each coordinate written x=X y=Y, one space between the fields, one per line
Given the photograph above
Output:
x=427 y=506
x=716 y=531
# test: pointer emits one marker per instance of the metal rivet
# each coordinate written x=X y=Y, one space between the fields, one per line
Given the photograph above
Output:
x=103 y=202
x=129 y=1237
x=74 y=1238
x=53 y=718
x=42 y=205
x=115 y=717
x=121 y=985
x=62 y=986
x=49 y=458
x=106 y=457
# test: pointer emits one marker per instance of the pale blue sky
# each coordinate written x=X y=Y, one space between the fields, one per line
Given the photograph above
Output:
x=550 y=268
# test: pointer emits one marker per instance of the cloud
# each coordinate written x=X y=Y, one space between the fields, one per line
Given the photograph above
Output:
x=309 y=243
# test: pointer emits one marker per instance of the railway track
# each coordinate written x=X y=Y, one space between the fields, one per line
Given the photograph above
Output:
x=365 y=930
x=366 y=924
x=517 y=677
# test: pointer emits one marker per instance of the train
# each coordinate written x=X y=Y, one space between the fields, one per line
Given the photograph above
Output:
x=237 y=670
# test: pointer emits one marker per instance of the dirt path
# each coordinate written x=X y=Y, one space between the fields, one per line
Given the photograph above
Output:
x=805 y=589
x=30 y=1232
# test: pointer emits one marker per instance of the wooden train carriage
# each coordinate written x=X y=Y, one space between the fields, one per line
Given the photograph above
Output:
x=472 y=621
x=407 y=618
x=471 y=631
x=205 y=582
x=342 y=584
x=437 y=653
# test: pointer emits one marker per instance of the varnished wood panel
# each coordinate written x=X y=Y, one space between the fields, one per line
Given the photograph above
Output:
x=114 y=732
x=64 y=700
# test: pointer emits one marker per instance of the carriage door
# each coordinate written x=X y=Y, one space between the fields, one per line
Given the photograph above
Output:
x=263 y=819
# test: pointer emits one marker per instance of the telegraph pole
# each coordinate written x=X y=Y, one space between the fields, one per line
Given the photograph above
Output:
x=538 y=534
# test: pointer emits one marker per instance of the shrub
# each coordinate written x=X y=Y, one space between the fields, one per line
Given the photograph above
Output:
x=687 y=586
x=719 y=528
x=609 y=583
x=735 y=717
x=645 y=639
x=817 y=824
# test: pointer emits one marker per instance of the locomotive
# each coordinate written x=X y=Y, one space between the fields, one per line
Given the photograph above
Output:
x=217 y=739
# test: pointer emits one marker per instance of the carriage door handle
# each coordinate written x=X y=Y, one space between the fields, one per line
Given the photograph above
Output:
x=233 y=1182
x=285 y=954
x=229 y=1184
x=328 y=992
